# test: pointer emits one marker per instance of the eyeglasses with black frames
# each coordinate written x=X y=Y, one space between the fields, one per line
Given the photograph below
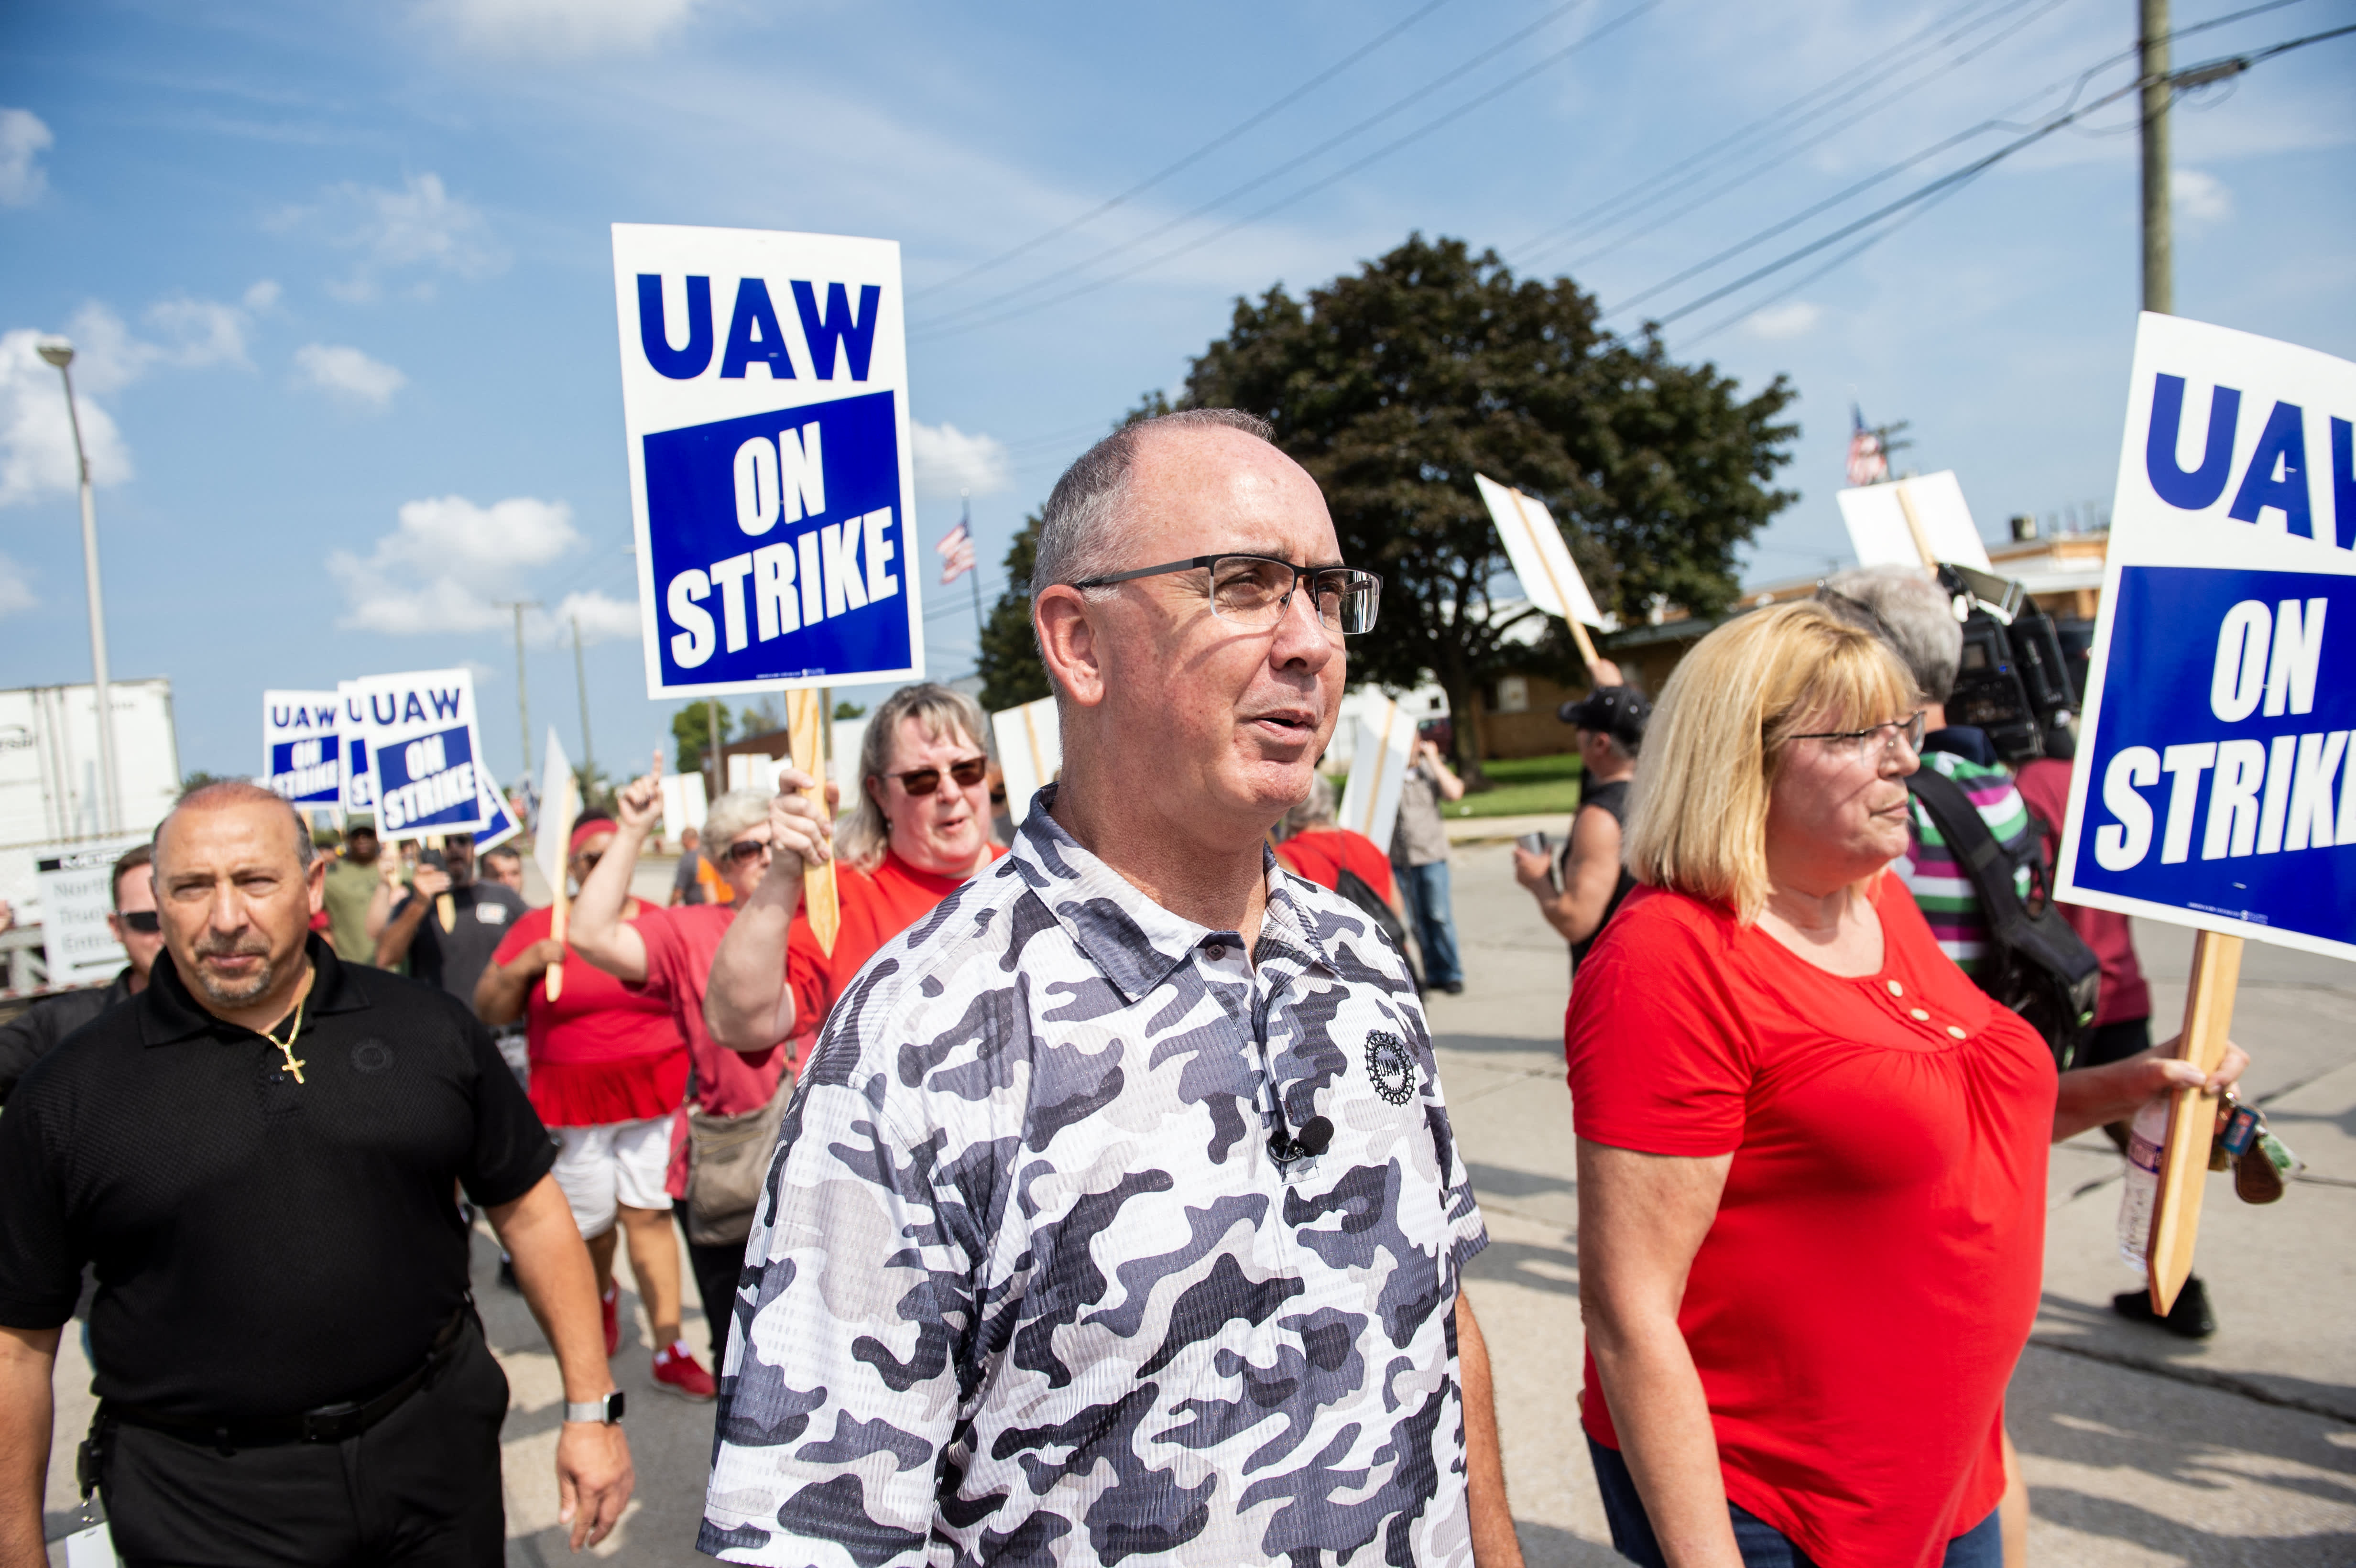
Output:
x=745 y=851
x=1255 y=590
x=145 y=921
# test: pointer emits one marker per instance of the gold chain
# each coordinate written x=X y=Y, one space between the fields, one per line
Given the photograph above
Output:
x=286 y=1047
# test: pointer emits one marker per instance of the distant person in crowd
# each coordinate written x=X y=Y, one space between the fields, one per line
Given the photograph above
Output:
x=666 y=955
x=353 y=878
x=2117 y=1066
x=1118 y=1215
x=920 y=830
x=1806 y=1274
x=1419 y=855
x=450 y=923
x=1608 y=727
x=686 y=883
x=260 y=1153
x=1313 y=847
x=31 y=1035
x=608 y=1074
x=504 y=866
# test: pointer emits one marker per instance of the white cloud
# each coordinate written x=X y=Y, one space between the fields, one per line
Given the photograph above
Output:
x=37 y=451
x=450 y=565
x=418 y=225
x=16 y=588
x=23 y=138
x=557 y=26
x=347 y=373
x=1778 y=322
x=2198 y=199
x=600 y=617
x=949 y=461
x=263 y=298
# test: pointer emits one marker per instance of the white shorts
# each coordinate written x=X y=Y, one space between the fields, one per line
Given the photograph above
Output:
x=620 y=1162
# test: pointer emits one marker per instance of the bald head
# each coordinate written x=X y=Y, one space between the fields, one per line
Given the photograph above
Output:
x=238 y=792
x=1082 y=528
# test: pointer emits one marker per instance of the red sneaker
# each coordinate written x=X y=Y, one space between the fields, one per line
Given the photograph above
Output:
x=609 y=1306
x=677 y=1371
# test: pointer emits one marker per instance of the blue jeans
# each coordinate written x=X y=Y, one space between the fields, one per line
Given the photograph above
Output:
x=1760 y=1544
x=1429 y=905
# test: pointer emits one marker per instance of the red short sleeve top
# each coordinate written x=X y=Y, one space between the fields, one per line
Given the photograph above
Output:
x=601 y=1052
x=1858 y=1305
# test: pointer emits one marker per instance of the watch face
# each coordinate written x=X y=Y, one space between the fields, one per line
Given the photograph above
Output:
x=614 y=1405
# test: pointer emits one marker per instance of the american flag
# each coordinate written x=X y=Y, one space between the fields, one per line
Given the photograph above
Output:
x=957 y=554
x=1867 y=465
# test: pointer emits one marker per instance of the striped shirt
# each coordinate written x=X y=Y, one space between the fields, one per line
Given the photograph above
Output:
x=1938 y=880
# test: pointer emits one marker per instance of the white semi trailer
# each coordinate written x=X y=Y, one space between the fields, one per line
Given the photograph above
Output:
x=49 y=794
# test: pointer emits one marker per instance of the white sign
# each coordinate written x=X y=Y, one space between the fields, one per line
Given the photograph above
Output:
x=302 y=756
x=1541 y=559
x=751 y=770
x=2215 y=784
x=1029 y=741
x=1380 y=756
x=77 y=883
x=423 y=751
x=359 y=776
x=1879 y=533
x=764 y=397
x=683 y=805
x=559 y=809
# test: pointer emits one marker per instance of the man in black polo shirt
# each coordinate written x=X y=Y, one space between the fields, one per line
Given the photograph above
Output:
x=449 y=924
x=260 y=1153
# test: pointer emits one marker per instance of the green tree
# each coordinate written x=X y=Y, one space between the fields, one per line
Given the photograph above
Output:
x=1012 y=671
x=690 y=727
x=850 y=709
x=1395 y=384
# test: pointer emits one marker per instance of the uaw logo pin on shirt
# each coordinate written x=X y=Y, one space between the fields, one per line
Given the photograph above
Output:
x=1390 y=1067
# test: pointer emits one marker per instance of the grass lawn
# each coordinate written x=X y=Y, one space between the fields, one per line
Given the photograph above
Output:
x=1525 y=786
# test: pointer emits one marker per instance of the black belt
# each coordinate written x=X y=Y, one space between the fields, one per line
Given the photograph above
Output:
x=327 y=1423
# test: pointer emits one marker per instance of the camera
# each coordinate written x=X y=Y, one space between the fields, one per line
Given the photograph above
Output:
x=2015 y=682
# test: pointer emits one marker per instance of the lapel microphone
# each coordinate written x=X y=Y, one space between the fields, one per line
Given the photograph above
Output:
x=1313 y=1139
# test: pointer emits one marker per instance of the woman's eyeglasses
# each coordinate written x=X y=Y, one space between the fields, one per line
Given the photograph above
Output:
x=1856 y=744
x=1253 y=590
x=967 y=773
x=745 y=851
x=145 y=921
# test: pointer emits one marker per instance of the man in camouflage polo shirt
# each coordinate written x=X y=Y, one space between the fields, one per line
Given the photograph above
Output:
x=1117 y=1218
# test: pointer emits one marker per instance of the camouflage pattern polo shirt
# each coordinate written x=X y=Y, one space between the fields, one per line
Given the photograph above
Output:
x=1029 y=1285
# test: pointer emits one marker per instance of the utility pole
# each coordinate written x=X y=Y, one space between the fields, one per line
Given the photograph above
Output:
x=580 y=680
x=523 y=704
x=61 y=354
x=2159 y=243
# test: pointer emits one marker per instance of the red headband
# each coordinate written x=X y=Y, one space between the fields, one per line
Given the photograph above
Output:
x=588 y=830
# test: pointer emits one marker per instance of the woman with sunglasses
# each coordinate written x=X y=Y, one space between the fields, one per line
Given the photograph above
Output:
x=921 y=827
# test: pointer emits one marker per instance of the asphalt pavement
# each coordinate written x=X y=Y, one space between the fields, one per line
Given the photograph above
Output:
x=2140 y=1449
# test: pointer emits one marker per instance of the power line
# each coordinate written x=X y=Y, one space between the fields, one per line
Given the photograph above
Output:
x=1213 y=144
x=1316 y=186
x=954 y=318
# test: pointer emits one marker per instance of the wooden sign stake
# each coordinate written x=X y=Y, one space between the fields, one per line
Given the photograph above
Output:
x=559 y=818
x=2192 y=1117
x=806 y=732
x=1577 y=633
x=1914 y=527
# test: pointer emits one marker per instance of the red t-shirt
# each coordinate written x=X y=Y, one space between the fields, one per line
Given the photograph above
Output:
x=876 y=906
x=601 y=1052
x=2045 y=786
x=1322 y=854
x=679 y=945
x=1870 y=1277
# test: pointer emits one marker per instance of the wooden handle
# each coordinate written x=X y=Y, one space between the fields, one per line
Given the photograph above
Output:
x=2191 y=1116
x=560 y=917
x=806 y=732
x=1914 y=527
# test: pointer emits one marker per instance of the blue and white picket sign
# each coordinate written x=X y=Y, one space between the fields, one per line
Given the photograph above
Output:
x=498 y=822
x=426 y=752
x=360 y=777
x=303 y=756
x=764 y=396
x=2215 y=784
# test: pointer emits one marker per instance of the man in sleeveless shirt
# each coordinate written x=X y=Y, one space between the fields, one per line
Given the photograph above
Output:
x=1609 y=726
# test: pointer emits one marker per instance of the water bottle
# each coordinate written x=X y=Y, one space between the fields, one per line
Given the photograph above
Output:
x=2146 y=1138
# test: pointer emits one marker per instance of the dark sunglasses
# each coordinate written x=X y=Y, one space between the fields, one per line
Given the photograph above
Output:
x=588 y=860
x=745 y=851
x=925 y=780
x=145 y=921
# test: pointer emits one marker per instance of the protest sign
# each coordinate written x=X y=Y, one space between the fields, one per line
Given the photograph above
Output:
x=1030 y=741
x=1380 y=756
x=498 y=821
x=1541 y=559
x=302 y=757
x=77 y=893
x=765 y=398
x=351 y=726
x=423 y=751
x=1917 y=521
x=682 y=805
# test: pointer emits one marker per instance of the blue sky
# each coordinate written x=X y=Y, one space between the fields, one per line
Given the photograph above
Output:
x=341 y=281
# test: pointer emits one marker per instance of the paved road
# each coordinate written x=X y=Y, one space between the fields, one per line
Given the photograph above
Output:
x=2140 y=1449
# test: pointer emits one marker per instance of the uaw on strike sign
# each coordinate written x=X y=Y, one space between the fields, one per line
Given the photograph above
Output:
x=2216 y=780
x=765 y=392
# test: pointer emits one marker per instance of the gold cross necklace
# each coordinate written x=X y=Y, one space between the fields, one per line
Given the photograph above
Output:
x=286 y=1047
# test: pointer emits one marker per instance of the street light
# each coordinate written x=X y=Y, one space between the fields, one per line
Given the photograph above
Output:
x=61 y=354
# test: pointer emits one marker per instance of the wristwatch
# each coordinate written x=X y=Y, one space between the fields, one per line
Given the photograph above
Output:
x=606 y=1410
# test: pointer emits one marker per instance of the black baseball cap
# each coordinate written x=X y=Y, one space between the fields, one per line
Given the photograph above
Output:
x=1616 y=711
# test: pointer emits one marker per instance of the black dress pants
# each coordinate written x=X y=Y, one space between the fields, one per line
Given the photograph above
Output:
x=419 y=1488
x=718 y=1266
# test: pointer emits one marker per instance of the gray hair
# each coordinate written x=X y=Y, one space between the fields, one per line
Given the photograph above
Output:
x=1918 y=621
x=732 y=813
x=237 y=792
x=1315 y=811
x=1078 y=536
x=862 y=833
